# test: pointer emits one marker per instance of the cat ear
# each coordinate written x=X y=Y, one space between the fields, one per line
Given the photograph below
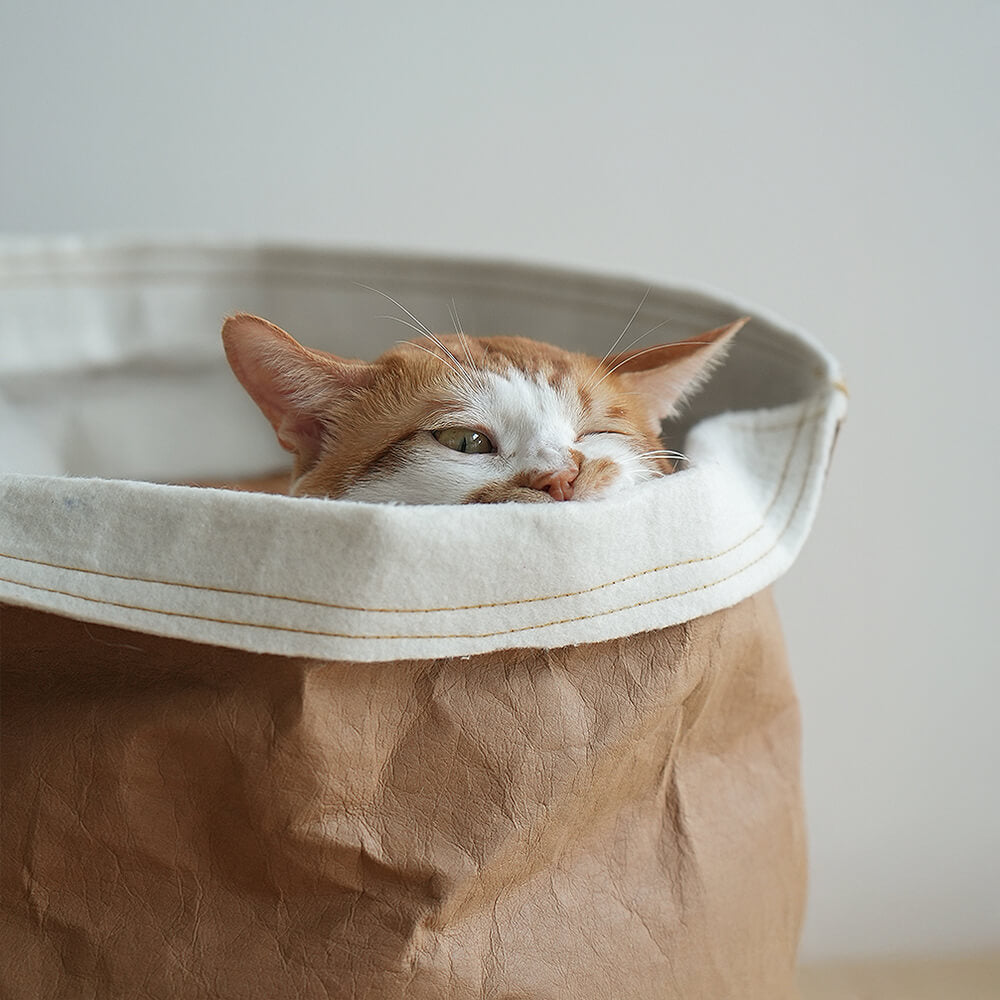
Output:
x=666 y=375
x=297 y=389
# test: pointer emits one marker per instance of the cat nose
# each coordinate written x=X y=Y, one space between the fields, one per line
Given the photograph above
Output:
x=558 y=484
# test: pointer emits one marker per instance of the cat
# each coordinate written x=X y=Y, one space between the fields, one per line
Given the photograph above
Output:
x=456 y=419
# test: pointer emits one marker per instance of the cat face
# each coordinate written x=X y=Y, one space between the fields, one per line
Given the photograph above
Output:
x=468 y=420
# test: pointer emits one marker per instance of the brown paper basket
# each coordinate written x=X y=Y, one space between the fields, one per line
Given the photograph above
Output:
x=256 y=747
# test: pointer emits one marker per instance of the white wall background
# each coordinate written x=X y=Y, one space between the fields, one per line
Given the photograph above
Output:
x=834 y=161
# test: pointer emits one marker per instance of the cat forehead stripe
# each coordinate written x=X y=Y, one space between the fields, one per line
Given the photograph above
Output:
x=534 y=393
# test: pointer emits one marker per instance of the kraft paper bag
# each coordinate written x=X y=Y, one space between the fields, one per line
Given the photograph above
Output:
x=255 y=746
x=620 y=819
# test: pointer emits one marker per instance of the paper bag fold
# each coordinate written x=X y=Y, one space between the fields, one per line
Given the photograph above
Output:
x=620 y=819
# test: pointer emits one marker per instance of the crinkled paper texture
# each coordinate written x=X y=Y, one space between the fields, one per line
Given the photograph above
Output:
x=618 y=820
x=258 y=747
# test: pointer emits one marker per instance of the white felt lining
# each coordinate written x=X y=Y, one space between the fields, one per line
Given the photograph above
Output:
x=139 y=392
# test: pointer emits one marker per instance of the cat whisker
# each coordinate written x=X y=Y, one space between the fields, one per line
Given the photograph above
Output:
x=453 y=312
x=434 y=354
x=399 y=319
x=649 y=350
x=632 y=344
x=621 y=336
x=399 y=305
x=420 y=328
x=450 y=360
x=666 y=453
x=463 y=340
x=646 y=475
x=457 y=364
x=658 y=326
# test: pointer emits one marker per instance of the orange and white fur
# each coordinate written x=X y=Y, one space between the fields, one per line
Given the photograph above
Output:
x=455 y=419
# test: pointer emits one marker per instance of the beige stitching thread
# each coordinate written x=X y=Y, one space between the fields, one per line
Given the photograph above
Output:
x=457 y=635
x=798 y=425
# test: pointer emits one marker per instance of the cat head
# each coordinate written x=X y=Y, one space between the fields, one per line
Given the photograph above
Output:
x=454 y=419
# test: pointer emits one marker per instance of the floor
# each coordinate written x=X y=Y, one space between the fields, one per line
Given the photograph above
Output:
x=974 y=977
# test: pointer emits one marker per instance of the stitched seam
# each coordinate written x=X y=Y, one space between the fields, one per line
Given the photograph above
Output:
x=460 y=635
x=798 y=425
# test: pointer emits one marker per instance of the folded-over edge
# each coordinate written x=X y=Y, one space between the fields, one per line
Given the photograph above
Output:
x=365 y=582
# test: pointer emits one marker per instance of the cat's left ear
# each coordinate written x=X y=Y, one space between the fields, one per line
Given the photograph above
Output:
x=666 y=375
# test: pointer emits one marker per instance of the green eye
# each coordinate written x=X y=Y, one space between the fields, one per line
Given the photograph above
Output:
x=465 y=439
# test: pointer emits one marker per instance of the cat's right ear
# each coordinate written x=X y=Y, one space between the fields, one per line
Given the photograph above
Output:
x=296 y=389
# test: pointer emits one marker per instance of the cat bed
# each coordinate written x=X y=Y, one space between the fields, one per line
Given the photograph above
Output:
x=257 y=746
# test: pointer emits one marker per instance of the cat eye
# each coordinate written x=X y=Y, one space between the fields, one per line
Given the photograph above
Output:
x=603 y=430
x=465 y=439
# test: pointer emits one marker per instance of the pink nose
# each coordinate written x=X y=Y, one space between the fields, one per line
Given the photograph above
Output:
x=558 y=485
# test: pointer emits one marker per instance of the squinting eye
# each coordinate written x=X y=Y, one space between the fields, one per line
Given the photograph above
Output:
x=465 y=439
x=606 y=430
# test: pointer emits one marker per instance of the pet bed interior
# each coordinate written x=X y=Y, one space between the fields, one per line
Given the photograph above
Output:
x=114 y=390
